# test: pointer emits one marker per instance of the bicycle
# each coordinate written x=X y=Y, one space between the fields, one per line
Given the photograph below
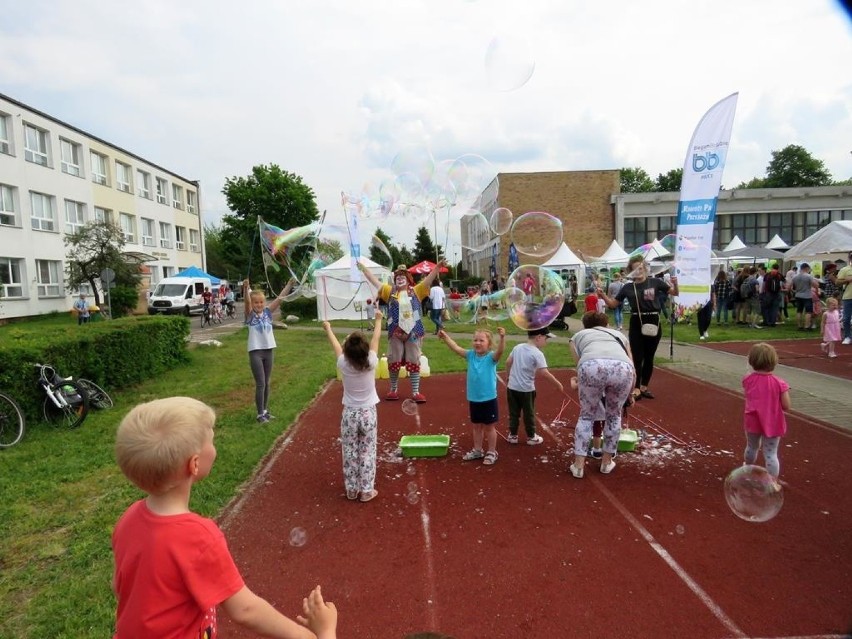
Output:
x=66 y=402
x=98 y=397
x=216 y=315
x=205 y=316
x=12 y=422
x=230 y=310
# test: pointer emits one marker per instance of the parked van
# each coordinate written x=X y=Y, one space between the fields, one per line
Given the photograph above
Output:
x=178 y=295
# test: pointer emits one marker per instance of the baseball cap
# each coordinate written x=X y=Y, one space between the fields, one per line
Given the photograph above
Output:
x=540 y=331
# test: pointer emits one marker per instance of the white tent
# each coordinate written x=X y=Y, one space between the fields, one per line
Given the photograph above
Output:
x=566 y=263
x=833 y=241
x=776 y=243
x=613 y=256
x=734 y=245
x=339 y=296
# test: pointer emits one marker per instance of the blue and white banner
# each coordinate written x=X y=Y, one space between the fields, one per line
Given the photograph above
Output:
x=699 y=191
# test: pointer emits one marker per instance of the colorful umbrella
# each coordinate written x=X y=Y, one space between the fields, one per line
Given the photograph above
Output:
x=425 y=267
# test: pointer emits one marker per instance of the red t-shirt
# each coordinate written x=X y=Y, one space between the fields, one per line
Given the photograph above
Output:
x=207 y=296
x=170 y=574
x=591 y=302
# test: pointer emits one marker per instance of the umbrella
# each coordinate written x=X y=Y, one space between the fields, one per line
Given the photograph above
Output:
x=425 y=267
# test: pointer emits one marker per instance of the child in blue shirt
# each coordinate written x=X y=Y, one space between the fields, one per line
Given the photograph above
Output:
x=481 y=389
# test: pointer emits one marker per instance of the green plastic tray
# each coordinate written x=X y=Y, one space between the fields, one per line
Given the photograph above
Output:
x=627 y=440
x=424 y=445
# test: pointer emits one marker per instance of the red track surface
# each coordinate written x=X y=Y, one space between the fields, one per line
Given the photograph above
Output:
x=800 y=353
x=522 y=549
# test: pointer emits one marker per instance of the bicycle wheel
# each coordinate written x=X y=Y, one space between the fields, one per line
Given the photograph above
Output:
x=205 y=319
x=12 y=422
x=98 y=397
x=74 y=413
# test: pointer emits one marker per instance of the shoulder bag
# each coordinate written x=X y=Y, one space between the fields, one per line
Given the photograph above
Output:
x=648 y=329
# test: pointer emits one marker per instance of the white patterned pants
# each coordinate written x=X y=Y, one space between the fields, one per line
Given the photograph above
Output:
x=358 y=443
x=612 y=381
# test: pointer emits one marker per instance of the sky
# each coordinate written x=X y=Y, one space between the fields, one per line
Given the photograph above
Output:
x=336 y=91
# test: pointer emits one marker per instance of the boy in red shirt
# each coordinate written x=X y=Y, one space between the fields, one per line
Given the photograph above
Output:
x=173 y=567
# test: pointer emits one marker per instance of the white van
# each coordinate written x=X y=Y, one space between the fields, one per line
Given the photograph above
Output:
x=178 y=295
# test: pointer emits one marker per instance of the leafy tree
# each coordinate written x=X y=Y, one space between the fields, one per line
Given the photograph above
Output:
x=280 y=198
x=670 y=181
x=794 y=166
x=399 y=254
x=331 y=249
x=636 y=180
x=96 y=246
x=753 y=183
x=219 y=261
x=424 y=249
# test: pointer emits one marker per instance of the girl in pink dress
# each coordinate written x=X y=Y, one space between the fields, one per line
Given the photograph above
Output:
x=766 y=399
x=830 y=327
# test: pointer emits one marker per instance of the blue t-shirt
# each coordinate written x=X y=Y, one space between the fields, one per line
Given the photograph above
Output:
x=481 y=377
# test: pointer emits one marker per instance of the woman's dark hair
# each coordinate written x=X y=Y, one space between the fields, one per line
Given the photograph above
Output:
x=593 y=318
x=356 y=350
x=722 y=276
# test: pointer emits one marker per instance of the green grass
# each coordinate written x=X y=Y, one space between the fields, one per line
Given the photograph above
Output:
x=61 y=491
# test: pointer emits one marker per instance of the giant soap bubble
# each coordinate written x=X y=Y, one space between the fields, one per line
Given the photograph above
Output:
x=537 y=233
x=753 y=494
x=543 y=296
x=509 y=62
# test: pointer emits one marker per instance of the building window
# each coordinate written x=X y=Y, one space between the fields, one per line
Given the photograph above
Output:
x=128 y=227
x=42 y=212
x=122 y=176
x=193 y=241
x=162 y=188
x=11 y=278
x=143 y=184
x=168 y=271
x=8 y=215
x=103 y=215
x=147 y=232
x=165 y=235
x=70 y=154
x=190 y=202
x=180 y=238
x=100 y=172
x=48 y=278
x=74 y=216
x=177 y=196
x=5 y=138
x=35 y=145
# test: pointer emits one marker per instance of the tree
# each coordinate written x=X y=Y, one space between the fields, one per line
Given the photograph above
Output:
x=332 y=250
x=753 y=183
x=636 y=180
x=399 y=254
x=424 y=249
x=670 y=181
x=95 y=247
x=279 y=197
x=794 y=166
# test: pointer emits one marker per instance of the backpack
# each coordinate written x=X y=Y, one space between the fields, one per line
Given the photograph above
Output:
x=747 y=288
x=773 y=284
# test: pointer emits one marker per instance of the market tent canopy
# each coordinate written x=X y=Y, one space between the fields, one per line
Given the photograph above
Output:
x=565 y=262
x=751 y=253
x=194 y=271
x=734 y=244
x=832 y=241
x=339 y=296
x=777 y=243
x=614 y=254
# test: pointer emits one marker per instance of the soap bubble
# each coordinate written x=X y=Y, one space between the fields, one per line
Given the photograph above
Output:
x=539 y=307
x=509 y=62
x=298 y=537
x=501 y=221
x=537 y=233
x=409 y=407
x=753 y=494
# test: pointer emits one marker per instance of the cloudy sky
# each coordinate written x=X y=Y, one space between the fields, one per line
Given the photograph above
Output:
x=334 y=90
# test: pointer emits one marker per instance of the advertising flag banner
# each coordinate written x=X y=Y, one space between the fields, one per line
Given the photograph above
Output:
x=699 y=191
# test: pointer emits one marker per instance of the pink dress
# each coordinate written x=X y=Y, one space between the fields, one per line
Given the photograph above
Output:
x=831 y=328
x=763 y=412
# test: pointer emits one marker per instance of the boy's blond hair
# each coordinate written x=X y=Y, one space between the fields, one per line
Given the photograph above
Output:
x=763 y=357
x=157 y=438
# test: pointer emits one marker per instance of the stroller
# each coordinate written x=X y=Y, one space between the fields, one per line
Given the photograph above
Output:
x=569 y=307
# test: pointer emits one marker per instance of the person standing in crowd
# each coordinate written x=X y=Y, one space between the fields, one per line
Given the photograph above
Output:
x=437 y=301
x=643 y=295
x=830 y=324
x=613 y=290
x=773 y=290
x=722 y=290
x=803 y=290
x=591 y=300
x=81 y=305
x=843 y=280
x=705 y=316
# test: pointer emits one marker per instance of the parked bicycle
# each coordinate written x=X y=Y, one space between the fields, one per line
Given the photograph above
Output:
x=205 y=316
x=230 y=310
x=12 y=422
x=66 y=402
x=98 y=397
x=216 y=315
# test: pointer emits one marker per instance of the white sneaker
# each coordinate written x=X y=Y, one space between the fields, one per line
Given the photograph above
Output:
x=703 y=337
x=512 y=439
x=846 y=341
x=577 y=472
x=706 y=334
x=535 y=440
x=606 y=469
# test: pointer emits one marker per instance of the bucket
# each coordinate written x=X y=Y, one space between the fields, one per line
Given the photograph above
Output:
x=382 y=368
x=424 y=366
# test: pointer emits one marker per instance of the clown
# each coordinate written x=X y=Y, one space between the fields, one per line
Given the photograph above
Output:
x=405 y=324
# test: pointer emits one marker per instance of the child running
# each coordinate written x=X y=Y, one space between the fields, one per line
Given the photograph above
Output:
x=357 y=361
x=173 y=567
x=524 y=362
x=481 y=389
x=830 y=324
x=767 y=397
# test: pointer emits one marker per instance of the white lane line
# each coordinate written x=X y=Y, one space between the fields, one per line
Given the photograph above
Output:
x=430 y=564
x=714 y=608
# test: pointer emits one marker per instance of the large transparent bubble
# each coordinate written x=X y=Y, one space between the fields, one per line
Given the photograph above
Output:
x=543 y=294
x=501 y=221
x=753 y=494
x=509 y=62
x=537 y=233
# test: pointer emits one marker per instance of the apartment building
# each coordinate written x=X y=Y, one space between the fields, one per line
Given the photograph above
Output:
x=55 y=178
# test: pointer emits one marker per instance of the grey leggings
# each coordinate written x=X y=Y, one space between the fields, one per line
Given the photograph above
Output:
x=770 y=452
x=261 y=368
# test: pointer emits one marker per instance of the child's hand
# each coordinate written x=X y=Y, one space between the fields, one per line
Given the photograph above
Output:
x=320 y=617
x=378 y=314
x=501 y=331
x=326 y=325
x=442 y=335
x=574 y=383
